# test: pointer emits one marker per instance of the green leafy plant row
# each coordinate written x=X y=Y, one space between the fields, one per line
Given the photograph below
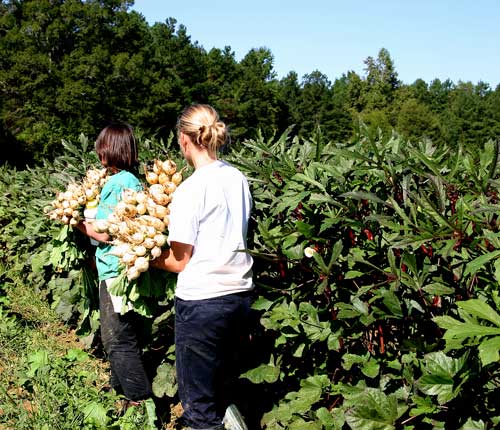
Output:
x=377 y=267
x=376 y=270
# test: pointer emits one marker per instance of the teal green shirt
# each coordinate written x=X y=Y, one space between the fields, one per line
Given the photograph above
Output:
x=108 y=266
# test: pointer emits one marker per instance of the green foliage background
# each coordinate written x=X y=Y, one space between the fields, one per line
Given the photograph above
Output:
x=392 y=323
x=69 y=67
x=406 y=242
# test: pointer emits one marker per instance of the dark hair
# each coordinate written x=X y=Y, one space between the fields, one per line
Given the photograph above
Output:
x=116 y=147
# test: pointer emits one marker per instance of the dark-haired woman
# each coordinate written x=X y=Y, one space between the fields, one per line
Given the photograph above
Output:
x=117 y=150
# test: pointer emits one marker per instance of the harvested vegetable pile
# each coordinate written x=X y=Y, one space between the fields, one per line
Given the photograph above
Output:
x=138 y=222
x=68 y=205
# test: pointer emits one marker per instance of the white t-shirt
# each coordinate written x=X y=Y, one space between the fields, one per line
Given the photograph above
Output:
x=210 y=210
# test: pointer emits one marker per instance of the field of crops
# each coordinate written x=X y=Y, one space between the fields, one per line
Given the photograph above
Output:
x=376 y=270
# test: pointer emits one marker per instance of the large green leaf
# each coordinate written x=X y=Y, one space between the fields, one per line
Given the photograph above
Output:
x=264 y=373
x=95 y=414
x=391 y=300
x=462 y=330
x=297 y=404
x=37 y=360
x=300 y=424
x=489 y=350
x=474 y=425
x=476 y=264
x=165 y=381
x=373 y=410
x=440 y=376
x=480 y=309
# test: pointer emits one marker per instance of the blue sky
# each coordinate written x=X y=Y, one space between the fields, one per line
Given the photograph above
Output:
x=427 y=39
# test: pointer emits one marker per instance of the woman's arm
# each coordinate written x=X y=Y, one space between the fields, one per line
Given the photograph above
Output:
x=175 y=258
x=86 y=228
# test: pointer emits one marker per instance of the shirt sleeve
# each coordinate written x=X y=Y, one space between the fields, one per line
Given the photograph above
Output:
x=111 y=194
x=108 y=200
x=184 y=217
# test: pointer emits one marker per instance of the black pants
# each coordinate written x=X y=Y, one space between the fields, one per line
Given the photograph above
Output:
x=119 y=338
x=207 y=335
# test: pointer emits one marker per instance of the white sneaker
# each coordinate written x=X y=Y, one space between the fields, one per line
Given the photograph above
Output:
x=233 y=420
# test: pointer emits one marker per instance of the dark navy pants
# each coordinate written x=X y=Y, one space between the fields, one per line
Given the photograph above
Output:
x=119 y=337
x=207 y=337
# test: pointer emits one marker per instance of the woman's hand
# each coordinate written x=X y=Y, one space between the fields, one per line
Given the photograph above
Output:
x=86 y=228
x=173 y=259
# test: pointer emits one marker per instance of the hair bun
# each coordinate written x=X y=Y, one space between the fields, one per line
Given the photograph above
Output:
x=202 y=124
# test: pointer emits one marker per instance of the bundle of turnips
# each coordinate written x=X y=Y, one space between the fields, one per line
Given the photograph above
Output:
x=68 y=205
x=139 y=220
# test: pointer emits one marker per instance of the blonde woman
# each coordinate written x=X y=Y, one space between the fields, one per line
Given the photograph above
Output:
x=207 y=236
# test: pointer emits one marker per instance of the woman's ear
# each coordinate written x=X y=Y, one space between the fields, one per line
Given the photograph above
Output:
x=102 y=159
x=183 y=140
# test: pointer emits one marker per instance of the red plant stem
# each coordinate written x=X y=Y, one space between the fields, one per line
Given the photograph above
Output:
x=381 y=338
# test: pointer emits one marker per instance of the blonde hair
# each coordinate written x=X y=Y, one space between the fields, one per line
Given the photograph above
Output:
x=202 y=124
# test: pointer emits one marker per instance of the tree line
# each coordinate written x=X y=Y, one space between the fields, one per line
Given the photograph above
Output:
x=71 y=66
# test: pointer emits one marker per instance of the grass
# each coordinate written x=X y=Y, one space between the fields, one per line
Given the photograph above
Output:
x=47 y=379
